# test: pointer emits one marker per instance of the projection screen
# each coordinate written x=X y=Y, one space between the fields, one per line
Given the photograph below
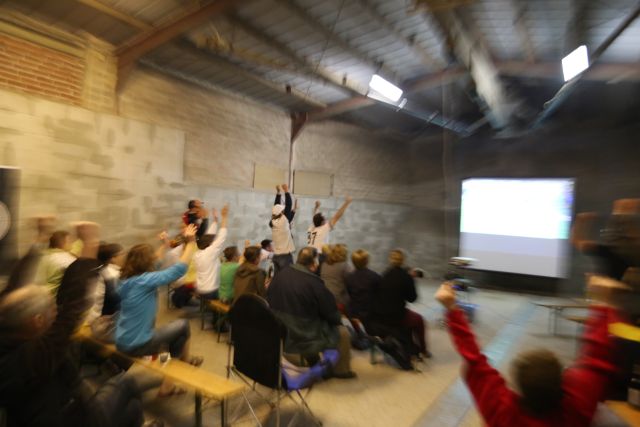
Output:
x=517 y=225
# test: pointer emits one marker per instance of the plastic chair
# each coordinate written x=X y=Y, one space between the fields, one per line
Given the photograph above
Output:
x=257 y=344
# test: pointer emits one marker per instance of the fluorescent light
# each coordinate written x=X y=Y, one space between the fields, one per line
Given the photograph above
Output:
x=575 y=63
x=384 y=88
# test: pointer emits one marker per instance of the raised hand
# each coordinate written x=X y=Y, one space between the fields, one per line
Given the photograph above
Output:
x=163 y=236
x=189 y=232
x=317 y=204
x=224 y=212
x=285 y=188
x=277 y=189
x=348 y=199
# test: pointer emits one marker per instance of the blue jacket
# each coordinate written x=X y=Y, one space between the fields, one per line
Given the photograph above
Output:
x=138 y=306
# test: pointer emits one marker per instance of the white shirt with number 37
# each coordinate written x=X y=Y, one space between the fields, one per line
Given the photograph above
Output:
x=318 y=236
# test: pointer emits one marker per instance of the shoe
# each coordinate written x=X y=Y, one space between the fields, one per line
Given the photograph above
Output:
x=345 y=376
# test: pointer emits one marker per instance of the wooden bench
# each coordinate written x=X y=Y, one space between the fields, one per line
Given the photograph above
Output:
x=625 y=411
x=214 y=305
x=201 y=381
x=555 y=311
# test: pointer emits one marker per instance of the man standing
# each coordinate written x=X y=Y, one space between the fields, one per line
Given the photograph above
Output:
x=198 y=215
x=281 y=217
x=318 y=234
x=55 y=261
x=300 y=300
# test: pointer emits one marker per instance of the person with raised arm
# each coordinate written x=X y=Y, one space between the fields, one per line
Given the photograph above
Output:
x=318 y=233
x=280 y=223
x=135 y=333
x=545 y=394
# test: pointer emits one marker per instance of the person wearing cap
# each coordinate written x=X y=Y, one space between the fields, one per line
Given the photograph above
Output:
x=281 y=217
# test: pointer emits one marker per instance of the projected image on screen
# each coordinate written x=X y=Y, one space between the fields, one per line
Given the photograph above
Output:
x=517 y=225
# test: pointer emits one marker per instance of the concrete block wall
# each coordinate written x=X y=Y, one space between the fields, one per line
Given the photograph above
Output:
x=130 y=160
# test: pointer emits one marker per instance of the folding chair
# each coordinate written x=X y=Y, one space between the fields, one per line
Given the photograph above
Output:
x=257 y=343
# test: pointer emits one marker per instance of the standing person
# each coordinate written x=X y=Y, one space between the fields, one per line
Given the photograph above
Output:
x=389 y=313
x=250 y=278
x=281 y=217
x=55 y=261
x=300 y=300
x=362 y=284
x=548 y=395
x=207 y=258
x=135 y=333
x=318 y=234
x=41 y=383
x=196 y=214
x=227 y=273
x=334 y=270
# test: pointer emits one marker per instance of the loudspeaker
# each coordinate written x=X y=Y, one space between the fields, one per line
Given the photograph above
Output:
x=9 y=182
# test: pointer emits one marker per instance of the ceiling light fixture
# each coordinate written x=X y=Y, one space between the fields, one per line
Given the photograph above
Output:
x=385 y=88
x=575 y=63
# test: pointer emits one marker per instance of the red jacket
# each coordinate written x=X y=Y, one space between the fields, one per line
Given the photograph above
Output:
x=584 y=384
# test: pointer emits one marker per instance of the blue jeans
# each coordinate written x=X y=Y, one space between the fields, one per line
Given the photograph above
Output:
x=172 y=336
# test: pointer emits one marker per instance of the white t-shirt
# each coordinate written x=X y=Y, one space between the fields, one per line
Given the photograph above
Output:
x=319 y=236
x=281 y=236
x=266 y=262
x=207 y=262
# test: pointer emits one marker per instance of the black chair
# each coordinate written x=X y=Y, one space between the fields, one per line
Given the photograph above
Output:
x=257 y=343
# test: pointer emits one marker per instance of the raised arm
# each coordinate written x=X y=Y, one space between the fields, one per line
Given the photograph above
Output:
x=489 y=389
x=316 y=207
x=340 y=212
x=278 y=199
x=215 y=248
x=164 y=244
x=288 y=203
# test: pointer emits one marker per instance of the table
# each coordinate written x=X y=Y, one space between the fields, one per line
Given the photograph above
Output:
x=555 y=311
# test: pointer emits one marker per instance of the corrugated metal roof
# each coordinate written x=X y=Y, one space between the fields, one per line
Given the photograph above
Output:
x=338 y=39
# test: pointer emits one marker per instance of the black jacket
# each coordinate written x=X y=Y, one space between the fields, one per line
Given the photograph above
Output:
x=396 y=288
x=362 y=286
x=300 y=300
x=40 y=383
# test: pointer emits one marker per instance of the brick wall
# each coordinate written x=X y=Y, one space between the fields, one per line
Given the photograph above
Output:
x=34 y=69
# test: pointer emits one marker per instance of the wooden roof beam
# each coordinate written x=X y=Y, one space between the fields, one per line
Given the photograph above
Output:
x=114 y=13
x=134 y=49
x=310 y=69
x=475 y=56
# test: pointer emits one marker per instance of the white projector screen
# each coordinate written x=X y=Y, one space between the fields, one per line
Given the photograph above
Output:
x=517 y=225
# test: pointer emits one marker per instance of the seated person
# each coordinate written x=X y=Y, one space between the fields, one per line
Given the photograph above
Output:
x=102 y=316
x=135 y=334
x=266 y=256
x=300 y=300
x=362 y=284
x=389 y=314
x=41 y=385
x=334 y=270
x=207 y=258
x=250 y=278
x=55 y=261
x=227 y=273
x=546 y=394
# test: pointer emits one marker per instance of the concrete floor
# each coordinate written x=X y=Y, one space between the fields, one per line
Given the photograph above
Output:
x=383 y=395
